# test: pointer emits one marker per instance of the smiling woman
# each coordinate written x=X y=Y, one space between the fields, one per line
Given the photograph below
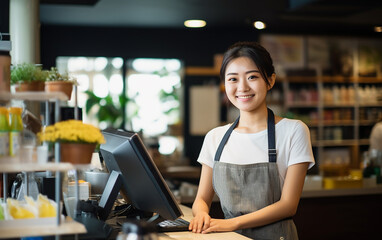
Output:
x=253 y=161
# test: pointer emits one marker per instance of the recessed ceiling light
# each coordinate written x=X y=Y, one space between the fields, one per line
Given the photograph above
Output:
x=195 y=23
x=378 y=28
x=259 y=25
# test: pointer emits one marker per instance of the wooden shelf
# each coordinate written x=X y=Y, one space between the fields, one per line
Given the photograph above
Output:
x=370 y=105
x=302 y=105
x=367 y=122
x=34 y=167
x=364 y=141
x=328 y=123
x=338 y=105
x=33 y=96
x=299 y=79
x=202 y=71
x=338 y=79
x=331 y=79
x=370 y=79
x=66 y=227
x=335 y=143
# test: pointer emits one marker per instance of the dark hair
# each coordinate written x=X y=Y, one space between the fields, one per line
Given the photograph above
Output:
x=254 y=51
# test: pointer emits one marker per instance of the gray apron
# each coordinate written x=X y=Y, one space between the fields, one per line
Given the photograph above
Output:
x=243 y=189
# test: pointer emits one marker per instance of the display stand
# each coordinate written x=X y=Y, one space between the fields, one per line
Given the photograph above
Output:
x=67 y=226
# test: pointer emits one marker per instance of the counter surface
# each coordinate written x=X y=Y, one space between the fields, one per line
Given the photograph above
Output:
x=189 y=235
x=341 y=192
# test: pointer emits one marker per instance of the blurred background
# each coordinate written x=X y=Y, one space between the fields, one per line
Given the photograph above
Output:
x=140 y=68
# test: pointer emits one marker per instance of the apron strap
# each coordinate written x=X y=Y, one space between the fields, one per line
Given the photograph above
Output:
x=271 y=138
x=225 y=139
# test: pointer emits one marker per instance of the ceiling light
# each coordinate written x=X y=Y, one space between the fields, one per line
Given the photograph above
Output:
x=195 y=23
x=378 y=28
x=259 y=25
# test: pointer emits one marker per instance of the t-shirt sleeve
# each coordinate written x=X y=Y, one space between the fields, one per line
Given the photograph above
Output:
x=207 y=152
x=376 y=137
x=301 y=147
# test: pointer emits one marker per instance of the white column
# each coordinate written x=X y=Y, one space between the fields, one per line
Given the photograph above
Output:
x=24 y=21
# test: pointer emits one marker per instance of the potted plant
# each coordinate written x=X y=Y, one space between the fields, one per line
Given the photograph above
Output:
x=78 y=140
x=57 y=82
x=28 y=77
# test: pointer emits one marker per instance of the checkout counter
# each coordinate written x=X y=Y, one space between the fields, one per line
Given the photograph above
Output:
x=343 y=213
x=190 y=236
x=348 y=211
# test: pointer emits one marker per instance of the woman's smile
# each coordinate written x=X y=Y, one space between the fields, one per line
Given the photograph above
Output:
x=245 y=98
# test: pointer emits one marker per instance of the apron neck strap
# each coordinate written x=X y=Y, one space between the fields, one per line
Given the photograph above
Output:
x=271 y=138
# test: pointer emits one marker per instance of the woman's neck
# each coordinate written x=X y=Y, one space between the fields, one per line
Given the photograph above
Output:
x=253 y=122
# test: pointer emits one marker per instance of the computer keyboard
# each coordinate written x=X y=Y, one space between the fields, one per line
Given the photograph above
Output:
x=177 y=225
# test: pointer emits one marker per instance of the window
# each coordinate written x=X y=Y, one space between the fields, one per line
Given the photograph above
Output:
x=155 y=87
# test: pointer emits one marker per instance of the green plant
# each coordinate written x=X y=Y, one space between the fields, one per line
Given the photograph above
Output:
x=54 y=75
x=107 y=110
x=27 y=72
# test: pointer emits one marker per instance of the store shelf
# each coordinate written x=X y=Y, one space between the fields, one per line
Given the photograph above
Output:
x=34 y=167
x=367 y=122
x=370 y=105
x=364 y=142
x=202 y=71
x=339 y=105
x=33 y=96
x=338 y=123
x=15 y=165
x=335 y=143
x=302 y=105
x=66 y=227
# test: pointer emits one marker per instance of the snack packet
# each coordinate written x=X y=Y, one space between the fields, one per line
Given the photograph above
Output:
x=45 y=207
x=18 y=210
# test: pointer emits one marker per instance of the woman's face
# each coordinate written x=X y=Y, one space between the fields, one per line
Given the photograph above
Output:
x=244 y=85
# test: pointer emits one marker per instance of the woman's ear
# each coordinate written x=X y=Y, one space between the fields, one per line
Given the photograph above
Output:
x=272 y=81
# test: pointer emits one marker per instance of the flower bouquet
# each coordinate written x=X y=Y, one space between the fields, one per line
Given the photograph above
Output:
x=77 y=139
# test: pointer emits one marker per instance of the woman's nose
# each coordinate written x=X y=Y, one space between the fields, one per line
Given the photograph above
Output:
x=243 y=86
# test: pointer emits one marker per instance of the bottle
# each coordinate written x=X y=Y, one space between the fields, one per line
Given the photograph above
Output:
x=4 y=132
x=351 y=94
x=16 y=126
x=336 y=94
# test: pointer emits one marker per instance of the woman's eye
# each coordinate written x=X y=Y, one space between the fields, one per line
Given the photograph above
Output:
x=253 y=77
x=231 y=79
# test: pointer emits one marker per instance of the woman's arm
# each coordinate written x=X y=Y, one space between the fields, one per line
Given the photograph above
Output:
x=284 y=208
x=203 y=200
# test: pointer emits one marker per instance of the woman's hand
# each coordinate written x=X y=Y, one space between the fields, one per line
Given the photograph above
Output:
x=200 y=222
x=221 y=225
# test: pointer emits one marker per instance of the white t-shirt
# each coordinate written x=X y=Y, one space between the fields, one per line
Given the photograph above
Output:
x=292 y=145
x=376 y=137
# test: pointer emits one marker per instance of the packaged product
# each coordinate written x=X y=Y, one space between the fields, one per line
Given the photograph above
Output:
x=46 y=207
x=18 y=210
x=1 y=213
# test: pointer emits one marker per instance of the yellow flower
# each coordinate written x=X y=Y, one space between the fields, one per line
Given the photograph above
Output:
x=73 y=131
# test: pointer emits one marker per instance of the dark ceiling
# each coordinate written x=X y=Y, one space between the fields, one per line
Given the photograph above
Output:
x=277 y=14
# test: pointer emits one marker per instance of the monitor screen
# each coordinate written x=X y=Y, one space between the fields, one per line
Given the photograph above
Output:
x=125 y=153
